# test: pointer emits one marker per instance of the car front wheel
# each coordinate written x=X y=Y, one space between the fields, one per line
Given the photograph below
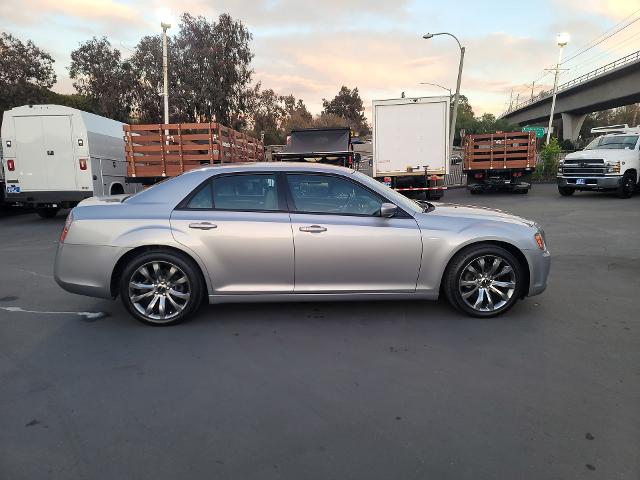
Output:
x=484 y=281
x=161 y=288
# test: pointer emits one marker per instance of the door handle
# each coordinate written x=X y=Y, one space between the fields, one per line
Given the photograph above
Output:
x=313 y=229
x=203 y=225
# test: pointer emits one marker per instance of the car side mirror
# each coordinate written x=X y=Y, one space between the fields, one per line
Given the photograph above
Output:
x=388 y=210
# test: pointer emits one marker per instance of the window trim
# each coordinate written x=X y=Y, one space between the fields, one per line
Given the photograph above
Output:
x=401 y=213
x=282 y=203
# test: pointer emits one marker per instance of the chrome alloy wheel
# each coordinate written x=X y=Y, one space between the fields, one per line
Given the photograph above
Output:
x=487 y=283
x=159 y=290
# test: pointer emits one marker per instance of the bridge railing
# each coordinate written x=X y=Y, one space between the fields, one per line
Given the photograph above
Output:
x=632 y=57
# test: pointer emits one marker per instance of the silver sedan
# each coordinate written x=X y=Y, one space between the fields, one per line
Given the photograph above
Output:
x=293 y=232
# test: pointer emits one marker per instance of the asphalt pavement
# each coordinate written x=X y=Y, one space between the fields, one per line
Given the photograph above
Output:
x=377 y=390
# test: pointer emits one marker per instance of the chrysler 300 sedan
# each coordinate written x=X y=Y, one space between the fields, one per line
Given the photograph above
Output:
x=293 y=232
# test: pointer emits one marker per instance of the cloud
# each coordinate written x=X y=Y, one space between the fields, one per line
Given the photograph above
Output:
x=614 y=9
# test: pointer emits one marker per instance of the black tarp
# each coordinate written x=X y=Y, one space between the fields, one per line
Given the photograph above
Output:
x=318 y=141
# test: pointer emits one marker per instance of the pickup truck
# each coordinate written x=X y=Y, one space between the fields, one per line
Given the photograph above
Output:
x=321 y=145
x=611 y=162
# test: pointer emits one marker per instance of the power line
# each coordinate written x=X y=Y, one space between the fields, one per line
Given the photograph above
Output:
x=598 y=42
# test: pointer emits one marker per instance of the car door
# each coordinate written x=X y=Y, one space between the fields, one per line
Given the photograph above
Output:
x=238 y=225
x=342 y=244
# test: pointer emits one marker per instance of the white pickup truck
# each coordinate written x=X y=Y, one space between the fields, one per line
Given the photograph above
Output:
x=611 y=162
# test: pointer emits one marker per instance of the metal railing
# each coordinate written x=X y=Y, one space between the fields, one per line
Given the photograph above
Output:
x=632 y=57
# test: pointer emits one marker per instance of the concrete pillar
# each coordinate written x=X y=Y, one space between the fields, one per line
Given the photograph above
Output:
x=571 y=125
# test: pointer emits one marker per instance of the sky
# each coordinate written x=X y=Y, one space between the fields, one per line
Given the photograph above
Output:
x=311 y=48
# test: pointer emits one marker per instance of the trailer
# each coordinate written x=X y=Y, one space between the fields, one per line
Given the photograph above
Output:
x=411 y=145
x=157 y=151
x=500 y=161
x=55 y=156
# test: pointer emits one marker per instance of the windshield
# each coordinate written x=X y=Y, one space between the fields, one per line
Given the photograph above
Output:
x=395 y=197
x=620 y=142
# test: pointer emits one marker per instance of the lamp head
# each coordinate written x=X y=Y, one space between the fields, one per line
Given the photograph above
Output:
x=427 y=36
x=562 y=39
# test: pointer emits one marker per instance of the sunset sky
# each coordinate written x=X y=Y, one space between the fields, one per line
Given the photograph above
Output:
x=310 y=49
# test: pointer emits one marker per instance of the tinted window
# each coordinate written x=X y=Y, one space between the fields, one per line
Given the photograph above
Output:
x=245 y=192
x=202 y=199
x=332 y=195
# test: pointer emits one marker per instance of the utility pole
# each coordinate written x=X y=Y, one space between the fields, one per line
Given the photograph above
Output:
x=165 y=72
x=562 y=39
x=532 y=87
x=456 y=100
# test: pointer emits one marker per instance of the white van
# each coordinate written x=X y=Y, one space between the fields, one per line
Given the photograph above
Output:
x=56 y=156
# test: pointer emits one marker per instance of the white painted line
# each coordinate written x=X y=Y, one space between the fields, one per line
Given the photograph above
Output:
x=87 y=315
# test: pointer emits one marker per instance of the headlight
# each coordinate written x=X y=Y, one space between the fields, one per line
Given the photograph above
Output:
x=613 y=167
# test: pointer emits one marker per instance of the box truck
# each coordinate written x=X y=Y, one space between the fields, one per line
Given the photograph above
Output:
x=56 y=156
x=411 y=145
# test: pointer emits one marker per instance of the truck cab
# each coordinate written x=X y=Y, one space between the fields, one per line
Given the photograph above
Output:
x=611 y=162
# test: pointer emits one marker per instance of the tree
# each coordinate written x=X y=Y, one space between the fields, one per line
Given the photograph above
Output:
x=146 y=62
x=26 y=72
x=214 y=75
x=348 y=105
x=276 y=115
x=100 y=74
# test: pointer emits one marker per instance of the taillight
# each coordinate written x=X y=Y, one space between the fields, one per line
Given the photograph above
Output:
x=67 y=227
x=11 y=166
x=478 y=175
x=539 y=241
x=83 y=164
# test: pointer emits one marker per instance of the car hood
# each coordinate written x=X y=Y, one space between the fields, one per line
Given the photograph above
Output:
x=613 y=154
x=473 y=213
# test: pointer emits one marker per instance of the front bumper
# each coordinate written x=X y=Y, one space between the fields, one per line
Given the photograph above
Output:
x=539 y=265
x=86 y=269
x=591 y=183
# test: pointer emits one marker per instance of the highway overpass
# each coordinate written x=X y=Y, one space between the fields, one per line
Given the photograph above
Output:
x=613 y=85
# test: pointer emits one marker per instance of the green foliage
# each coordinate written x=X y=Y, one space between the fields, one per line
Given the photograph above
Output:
x=487 y=123
x=26 y=72
x=348 y=105
x=99 y=74
x=547 y=167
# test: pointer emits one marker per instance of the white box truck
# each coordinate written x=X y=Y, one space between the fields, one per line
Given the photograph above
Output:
x=411 y=145
x=56 y=156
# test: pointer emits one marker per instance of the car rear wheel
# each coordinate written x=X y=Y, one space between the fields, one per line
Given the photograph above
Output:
x=566 y=191
x=161 y=288
x=484 y=281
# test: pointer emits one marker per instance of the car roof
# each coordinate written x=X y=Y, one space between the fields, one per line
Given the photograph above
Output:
x=275 y=166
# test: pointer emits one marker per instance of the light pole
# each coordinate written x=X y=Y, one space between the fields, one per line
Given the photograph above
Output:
x=562 y=39
x=165 y=71
x=456 y=99
x=437 y=85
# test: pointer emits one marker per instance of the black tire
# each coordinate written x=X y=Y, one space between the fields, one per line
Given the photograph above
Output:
x=566 y=191
x=193 y=286
x=627 y=185
x=458 y=268
x=47 y=212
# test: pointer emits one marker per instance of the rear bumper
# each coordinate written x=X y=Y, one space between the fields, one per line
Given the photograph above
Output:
x=539 y=266
x=49 y=197
x=86 y=269
x=591 y=183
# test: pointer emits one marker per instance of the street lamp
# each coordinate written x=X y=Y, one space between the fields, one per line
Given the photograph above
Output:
x=165 y=70
x=561 y=39
x=456 y=100
x=437 y=85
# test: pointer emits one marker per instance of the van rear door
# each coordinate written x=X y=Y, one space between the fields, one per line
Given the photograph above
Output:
x=45 y=156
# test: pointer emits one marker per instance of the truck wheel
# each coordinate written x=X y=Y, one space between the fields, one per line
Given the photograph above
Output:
x=566 y=191
x=161 y=288
x=483 y=281
x=627 y=185
x=47 y=212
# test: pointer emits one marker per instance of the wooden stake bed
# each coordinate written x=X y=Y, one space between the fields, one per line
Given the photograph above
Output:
x=167 y=150
x=511 y=150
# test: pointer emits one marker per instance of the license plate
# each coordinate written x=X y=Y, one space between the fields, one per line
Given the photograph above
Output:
x=580 y=181
x=13 y=188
